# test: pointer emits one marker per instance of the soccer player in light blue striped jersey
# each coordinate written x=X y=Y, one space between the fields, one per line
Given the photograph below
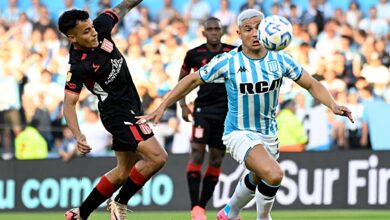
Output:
x=252 y=76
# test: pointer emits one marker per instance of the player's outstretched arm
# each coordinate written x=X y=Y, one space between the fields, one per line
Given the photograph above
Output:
x=70 y=102
x=185 y=86
x=318 y=91
x=125 y=6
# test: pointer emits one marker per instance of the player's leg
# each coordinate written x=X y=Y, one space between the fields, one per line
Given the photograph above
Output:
x=216 y=154
x=258 y=160
x=108 y=183
x=243 y=194
x=211 y=176
x=194 y=166
x=193 y=172
x=269 y=175
x=153 y=158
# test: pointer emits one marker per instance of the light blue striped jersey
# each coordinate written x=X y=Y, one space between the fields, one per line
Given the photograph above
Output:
x=252 y=86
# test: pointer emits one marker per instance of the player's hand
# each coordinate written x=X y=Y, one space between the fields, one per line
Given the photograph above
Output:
x=82 y=144
x=153 y=117
x=186 y=113
x=343 y=111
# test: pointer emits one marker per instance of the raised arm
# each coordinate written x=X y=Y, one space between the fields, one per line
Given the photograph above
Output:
x=125 y=6
x=318 y=91
x=185 y=111
x=186 y=85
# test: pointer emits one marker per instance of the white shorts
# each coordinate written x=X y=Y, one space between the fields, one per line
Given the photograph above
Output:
x=239 y=143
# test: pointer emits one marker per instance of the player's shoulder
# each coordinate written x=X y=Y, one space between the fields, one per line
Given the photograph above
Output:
x=278 y=53
x=232 y=53
x=198 y=49
x=227 y=47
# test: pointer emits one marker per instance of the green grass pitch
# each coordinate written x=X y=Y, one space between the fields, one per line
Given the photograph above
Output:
x=246 y=215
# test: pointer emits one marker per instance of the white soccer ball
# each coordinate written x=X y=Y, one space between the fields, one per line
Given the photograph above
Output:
x=275 y=32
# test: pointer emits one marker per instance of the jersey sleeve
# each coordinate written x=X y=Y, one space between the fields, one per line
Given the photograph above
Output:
x=215 y=70
x=75 y=80
x=106 y=21
x=187 y=63
x=293 y=69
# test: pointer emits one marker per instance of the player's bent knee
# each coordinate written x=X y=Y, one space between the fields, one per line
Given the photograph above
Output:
x=159 y=160
x=274 y=176
x=216 y=162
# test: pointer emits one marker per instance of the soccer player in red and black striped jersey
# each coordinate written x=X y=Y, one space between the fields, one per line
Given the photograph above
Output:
x=97 y=64
x=208 y=119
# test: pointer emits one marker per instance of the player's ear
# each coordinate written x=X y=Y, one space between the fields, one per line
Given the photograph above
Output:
x=71 y=38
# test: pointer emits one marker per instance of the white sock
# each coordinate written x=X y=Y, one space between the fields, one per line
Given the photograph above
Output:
x=241 y=196
x=264 y=206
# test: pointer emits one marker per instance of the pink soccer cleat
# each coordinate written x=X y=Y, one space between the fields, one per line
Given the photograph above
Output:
x=222 y=216
x=197 y=213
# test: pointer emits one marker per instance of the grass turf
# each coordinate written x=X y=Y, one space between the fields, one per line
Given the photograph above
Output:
x=245 y=215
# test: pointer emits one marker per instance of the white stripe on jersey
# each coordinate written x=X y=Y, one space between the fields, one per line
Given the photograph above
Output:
x=252 y=86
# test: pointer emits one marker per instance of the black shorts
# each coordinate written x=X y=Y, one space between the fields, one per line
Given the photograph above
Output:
x=126 y=134
x=208 y=131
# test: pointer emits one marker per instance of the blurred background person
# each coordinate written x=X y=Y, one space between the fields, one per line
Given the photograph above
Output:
x=292 y=134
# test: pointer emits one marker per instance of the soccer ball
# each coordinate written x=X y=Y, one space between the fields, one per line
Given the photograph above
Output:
x=275 y=32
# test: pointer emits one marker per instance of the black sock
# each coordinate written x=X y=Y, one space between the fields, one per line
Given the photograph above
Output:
x=208 y=186
x=193 y=179
x=266 y=189
x=127 y=191
x=93 y=201
x=249 y=183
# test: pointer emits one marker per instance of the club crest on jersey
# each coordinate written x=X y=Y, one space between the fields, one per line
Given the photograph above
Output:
x=273 y=65
x=145 y=128
x=198 y=132
x=68 y=76
x=107 y=45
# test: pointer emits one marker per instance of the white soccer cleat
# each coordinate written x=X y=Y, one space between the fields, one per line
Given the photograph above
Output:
x=118 y=211
x=73 y=214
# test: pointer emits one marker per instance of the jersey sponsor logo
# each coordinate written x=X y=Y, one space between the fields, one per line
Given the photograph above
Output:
x=145 y=128
x=242 y=69
x=116 y=65
x=107 y=45
x=198 y=132
x=71 y=85
x=260 y=87
x=273 y=65
x=68 y=76
x=95 y=67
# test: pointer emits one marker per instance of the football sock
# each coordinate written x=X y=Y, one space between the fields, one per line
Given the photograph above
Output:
x=134 y=182
x=193 y=179
x=103 y=190
x=265 y=197
x=244 y=193
x=210 y=179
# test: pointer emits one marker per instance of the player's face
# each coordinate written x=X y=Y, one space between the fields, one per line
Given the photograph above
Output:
x=248 y=34
x=213 y=32
x=84 y=35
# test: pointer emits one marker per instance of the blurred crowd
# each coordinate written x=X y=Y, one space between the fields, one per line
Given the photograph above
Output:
x=346 y=50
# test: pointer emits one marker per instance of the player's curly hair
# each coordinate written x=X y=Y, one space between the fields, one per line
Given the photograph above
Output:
x=69 y=19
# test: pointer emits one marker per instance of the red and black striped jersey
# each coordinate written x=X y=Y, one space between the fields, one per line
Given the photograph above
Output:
x=103 y=70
